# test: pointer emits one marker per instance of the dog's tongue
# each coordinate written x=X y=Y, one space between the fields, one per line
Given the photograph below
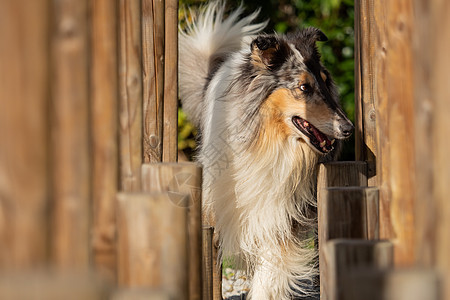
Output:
x=319 y=135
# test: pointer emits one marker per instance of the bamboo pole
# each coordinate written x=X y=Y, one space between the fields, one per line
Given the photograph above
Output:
x=104 y=118
x=153 y=78
x=344 y=212
x=130 y=83
x=70 y=135
x=151 y=243
x=24 y=94
x=170 y=140
x=342 y=256
x=179 y=180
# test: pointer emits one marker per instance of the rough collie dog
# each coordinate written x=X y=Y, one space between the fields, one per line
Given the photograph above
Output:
x=268 y=112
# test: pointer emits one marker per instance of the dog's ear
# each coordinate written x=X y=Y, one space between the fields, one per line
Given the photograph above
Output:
x=313 y=35
x=268 y=52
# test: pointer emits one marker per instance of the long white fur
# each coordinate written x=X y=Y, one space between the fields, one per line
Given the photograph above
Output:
x=253 y=194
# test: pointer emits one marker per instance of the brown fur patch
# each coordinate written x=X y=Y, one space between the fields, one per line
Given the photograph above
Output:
x=323 y=75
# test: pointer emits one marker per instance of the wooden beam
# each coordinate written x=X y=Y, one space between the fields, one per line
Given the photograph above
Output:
x=151 y=243
x=104 y=119
x=170 y=140
x=402 y=284
x=344 y=255
x=24 y=159
x=344 y=212
x=70 y=142
x=130 y=83
x=179 y=180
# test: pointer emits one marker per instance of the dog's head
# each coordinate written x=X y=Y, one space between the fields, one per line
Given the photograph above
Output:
x=304 y=104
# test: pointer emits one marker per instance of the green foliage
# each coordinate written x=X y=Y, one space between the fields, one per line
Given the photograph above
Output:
x=334 y=17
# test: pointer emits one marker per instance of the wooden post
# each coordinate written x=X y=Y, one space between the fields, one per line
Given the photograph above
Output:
x=217 y=270
x=170 y=141
x=179 y=180
x=385 y=114
x=403 y=284
x=52 y=286
x=344 y=255
x=151 y=245
x=344 y=212
x=70 y=135
x=140 y=294
x=342 y=173
x=153 y=78
x=104 y=118
x=208 y=267
x=24 y=94
x=130 y=82
x=432 y=122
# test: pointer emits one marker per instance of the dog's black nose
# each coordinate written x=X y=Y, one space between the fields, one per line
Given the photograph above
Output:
x=346 y=129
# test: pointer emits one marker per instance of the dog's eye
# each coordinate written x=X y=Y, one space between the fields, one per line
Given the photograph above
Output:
x=305 y=87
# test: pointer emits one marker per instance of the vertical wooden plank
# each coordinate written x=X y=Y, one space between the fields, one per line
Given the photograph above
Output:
x=367 y=68
x=152 y=240
x=153 y=78
x=343 y=213
x=24 y=94
x=345 y=255
x=396 y=132
x=432 y=123
x=104 y=118
x=217 y=270
x=130 y=83
x=208 y=267
x=385 y=114
x=70 y=134
x=179 y=180
x=170 y=141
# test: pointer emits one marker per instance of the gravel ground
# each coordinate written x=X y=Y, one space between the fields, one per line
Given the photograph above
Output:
x=234 y=284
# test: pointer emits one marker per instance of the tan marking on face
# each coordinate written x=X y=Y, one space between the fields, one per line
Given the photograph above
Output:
x=323 y=75
x=306 y=77
x=280 y=106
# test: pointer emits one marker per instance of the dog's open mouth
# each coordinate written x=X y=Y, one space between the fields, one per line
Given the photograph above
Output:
x=316 y=138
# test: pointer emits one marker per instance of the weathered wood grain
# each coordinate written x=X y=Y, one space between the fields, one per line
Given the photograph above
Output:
x=24 y=159
x=208 y=265
x=182 y=181
x=130 y=83
x=344 y=212
x=342 y=256
x=170 y=139
x=152 y=243
x=153 y=78
x=70 y=142
x=104 y=118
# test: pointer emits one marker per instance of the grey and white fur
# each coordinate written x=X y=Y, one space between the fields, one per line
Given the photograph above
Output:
x=268 y=112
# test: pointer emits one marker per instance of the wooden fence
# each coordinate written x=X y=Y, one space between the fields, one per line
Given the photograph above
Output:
x=94 y=206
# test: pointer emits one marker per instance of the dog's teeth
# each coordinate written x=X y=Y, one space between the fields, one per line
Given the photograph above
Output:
x=332 y=141
x=323 y=144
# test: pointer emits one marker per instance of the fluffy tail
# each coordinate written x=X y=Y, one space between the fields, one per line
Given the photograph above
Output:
x=206 y=43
